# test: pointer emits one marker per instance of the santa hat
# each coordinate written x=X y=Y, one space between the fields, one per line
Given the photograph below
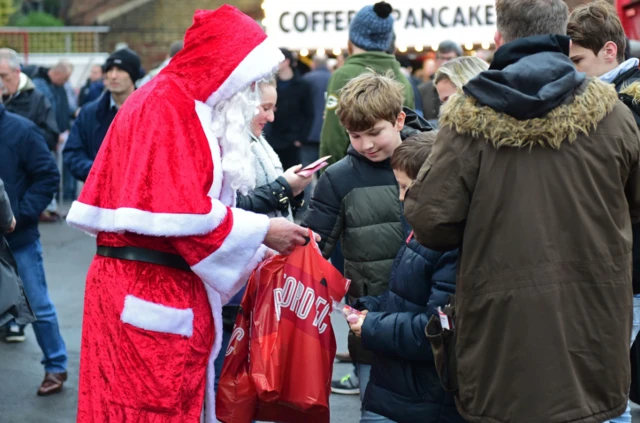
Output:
x=242 y=55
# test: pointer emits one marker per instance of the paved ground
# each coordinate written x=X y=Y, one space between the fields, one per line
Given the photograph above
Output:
x=67 y=256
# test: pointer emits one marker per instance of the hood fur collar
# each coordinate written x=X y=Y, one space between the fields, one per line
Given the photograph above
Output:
x=465 y=116
x=633 y=91
x=25 y=83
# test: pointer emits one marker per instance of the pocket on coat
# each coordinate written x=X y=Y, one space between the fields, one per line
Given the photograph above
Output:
x=152 y=353
x=443 y=345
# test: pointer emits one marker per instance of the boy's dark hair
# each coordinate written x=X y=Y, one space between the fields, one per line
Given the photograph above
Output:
x=368 y=99
x=594 y=24
x=413 y=152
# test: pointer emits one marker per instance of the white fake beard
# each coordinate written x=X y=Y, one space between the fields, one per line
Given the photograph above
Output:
x=231 y=123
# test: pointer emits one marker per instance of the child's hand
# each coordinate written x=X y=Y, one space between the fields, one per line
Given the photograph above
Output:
x=356 y=327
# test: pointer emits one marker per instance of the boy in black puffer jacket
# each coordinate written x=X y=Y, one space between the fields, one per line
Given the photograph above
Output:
x=356 y=200
x=404 y=384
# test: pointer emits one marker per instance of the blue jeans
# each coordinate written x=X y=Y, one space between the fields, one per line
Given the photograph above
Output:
x=626 y=417
x=69 y=185
x=364 y=373
x=46 y=328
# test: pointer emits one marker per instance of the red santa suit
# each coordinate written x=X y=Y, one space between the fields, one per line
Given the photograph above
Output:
x=151 y=332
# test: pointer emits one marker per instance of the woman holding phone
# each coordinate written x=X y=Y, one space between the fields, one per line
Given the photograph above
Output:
x=277 y=193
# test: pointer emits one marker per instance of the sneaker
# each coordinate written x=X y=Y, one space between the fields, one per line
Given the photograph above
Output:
x=348 y=385
x=14 y=333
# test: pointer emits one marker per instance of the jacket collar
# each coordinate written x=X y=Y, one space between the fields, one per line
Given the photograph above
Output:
x=385 y=164
x=25 y=83
x=104 y=105
x=618 y=73
x=592 y=102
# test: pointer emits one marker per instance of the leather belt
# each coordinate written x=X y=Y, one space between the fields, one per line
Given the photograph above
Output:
x=144 y=255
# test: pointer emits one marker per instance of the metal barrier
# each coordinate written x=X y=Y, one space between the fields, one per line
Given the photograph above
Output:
x=64 y=39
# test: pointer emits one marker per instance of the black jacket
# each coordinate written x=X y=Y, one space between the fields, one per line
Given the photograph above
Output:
x=269 y=198
x=56 y=95
x=87 y=135
x=430 y=101
x=29 y=172
x=356 y=202
x=404 y=384
x=31 y=104
x=90 y=91
x=628 y=88
x=293 y=116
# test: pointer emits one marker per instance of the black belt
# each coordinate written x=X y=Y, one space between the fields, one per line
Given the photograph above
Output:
x=145 y=255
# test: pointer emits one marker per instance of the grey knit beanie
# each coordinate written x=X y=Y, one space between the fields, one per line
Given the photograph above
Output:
x=372 y=27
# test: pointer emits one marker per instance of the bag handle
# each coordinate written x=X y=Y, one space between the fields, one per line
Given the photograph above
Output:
x=311 y=239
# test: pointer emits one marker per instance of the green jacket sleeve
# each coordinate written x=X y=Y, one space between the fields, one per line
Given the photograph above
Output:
x=334 y=139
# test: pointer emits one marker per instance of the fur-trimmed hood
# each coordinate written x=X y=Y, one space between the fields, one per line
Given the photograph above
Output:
x=592 y=102
x=633 y=91
x=628 y=86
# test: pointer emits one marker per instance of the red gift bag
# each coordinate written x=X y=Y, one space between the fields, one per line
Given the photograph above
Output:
x=291 y=342
x=236 y=397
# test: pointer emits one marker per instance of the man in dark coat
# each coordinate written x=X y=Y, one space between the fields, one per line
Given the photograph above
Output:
x=122 y=70
x=21 y=97
x=447 y=50
x=50 y=81
x=31 y=177
x=293 y=116
x=598 y=49
x=318 y=80
x=93 y=88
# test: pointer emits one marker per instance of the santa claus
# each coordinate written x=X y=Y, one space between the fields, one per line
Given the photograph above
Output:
x=171 y=246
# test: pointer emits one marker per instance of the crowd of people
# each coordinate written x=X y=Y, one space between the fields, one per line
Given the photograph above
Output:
x=505 y=193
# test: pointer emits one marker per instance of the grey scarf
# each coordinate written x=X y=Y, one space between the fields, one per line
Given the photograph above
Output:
x=267 y=166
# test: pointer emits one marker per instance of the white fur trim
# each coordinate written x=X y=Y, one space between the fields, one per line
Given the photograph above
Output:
x=225 y=268
x=205 y=114
x=261 y=62
x=157 y=317
x=92 y=220
x=210 y=394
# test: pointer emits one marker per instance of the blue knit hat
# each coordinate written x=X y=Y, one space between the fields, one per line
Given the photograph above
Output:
x=372 y=27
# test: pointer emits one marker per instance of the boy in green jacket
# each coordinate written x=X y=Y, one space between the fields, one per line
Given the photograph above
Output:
x=370 y=35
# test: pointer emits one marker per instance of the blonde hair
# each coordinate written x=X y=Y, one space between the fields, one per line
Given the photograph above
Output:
x=368 y=99
x=460 y=70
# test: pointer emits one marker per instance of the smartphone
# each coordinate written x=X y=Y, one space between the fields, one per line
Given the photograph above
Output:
x=314 y=167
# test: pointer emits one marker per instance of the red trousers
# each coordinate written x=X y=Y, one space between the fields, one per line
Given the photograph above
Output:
x=146 y=337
